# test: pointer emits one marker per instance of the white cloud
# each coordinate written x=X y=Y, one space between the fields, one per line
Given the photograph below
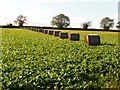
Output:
x=63 y=1
x=77 y=21
x=8 y=13
x=37 y=17
x=66 y=1
x=115 y=16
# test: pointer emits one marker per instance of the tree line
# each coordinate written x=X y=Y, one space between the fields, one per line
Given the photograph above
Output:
x=63 y=21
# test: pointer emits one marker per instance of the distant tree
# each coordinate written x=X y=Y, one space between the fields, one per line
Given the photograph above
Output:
x=85 y=25
x=107 y=23
x=118 y=25
x=60 y=21
x=9 y=25
x=20 y=20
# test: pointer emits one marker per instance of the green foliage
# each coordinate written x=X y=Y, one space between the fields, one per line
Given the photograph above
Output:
x=60 y=21
x=33 y=60
x=118 y=25
x=106 y=23
x=9 y=25
x=85 y=25
x=20 y=20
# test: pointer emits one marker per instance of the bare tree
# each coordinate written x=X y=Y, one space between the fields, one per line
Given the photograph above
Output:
x=20 y=20
x=85 y=25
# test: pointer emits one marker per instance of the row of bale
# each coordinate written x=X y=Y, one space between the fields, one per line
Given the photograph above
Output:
x=90 y=39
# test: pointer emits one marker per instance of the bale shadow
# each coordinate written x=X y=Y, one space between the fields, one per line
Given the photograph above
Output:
x=108 y=44
x=101 y=44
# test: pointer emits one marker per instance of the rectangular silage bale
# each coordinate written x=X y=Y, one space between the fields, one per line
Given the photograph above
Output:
x=40 y=30
x=56 y=33
x=74 y=36
x=50 y=32
x=63 y=35
x=92 y=39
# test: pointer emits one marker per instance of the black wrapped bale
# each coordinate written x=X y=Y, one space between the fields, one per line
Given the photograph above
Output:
x=74 y=36
x=92 y=39
x=46 y=31
x=27 y=28
x=33 y=29
x=50 y=32
x=41 y=30
x=30 y=28
x=37 y=29
x=56 y=33
x=63 y=35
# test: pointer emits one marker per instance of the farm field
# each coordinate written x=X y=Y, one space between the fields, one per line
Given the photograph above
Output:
x=33 y=60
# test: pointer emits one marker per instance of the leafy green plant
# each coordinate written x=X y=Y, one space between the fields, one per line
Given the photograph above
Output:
x=33 y=60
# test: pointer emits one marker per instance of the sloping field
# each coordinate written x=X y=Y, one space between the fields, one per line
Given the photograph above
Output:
x=33 y=60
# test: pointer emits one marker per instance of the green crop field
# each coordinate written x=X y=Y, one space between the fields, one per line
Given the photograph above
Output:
x=33 y=60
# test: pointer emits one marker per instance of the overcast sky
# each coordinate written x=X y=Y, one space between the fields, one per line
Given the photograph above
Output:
x=40 y=12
